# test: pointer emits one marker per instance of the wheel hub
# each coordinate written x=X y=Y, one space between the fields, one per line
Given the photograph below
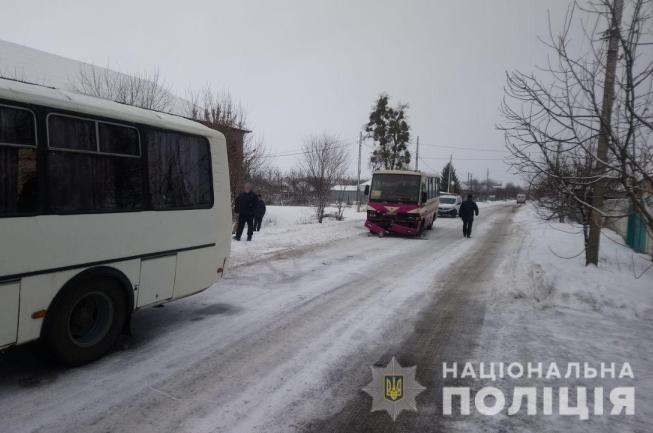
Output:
x=90 y=319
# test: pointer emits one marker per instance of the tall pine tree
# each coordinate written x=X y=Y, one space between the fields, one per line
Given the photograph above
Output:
x=389 y=129
x=444 y=179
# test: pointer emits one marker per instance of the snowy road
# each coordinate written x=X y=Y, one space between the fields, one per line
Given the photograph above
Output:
x=447 y=328
x=275 y=346
x=285 y=342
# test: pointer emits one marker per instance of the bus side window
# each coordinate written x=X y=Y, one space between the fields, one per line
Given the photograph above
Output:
x=178 y=179
x=19 y=186
x=93 y=165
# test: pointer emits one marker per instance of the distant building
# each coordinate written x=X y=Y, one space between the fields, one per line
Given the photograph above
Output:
x=626 y=221
x=348 y=193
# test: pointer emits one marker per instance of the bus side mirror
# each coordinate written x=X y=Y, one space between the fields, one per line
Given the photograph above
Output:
x=367 y=190
x=424 y=197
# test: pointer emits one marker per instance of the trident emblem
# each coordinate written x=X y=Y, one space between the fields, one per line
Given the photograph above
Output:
x=394 y=387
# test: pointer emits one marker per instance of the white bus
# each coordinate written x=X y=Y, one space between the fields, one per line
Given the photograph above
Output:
x=104 y=209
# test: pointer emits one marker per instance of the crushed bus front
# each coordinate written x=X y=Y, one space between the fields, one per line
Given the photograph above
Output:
x=382 y=220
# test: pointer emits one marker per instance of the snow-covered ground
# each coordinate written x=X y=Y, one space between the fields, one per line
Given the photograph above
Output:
x=547 y=306
x=293 y=228
x=621 y=285
x=288 y=229
x=287 y=338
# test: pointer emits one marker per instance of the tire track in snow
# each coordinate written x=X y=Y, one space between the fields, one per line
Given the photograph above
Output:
x=306 y=328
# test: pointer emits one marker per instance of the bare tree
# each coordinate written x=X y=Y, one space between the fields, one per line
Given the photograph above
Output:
x=145 y=90
x=298 y=187
x=586 y=129
x=216 y=108
x=271 y=184
x=255 y=158
x=324 y=163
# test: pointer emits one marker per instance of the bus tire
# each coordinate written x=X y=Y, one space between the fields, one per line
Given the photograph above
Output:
x=85 y=321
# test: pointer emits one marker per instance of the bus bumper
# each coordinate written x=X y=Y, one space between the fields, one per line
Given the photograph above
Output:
x=403 y=230
x=392 y=228
x=375 y=228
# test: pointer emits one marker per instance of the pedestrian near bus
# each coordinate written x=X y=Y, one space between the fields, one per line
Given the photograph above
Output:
x=468 y=209
x=245 y=207
x=260 y=213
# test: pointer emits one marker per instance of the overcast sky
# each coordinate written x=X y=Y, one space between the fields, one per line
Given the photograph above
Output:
x=302 y=67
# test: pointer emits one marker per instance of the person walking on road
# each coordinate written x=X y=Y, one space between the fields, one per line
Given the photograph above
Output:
x=468 y=210
x=245 y=207
x=260 y=213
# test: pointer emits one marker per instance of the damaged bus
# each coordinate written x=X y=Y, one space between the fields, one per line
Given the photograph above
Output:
x=402 y=202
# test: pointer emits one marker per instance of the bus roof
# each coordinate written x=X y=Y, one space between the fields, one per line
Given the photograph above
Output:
x=412 y=172
x=28 y=93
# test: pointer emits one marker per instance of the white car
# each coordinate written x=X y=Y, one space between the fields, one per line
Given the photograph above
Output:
x=449 y=205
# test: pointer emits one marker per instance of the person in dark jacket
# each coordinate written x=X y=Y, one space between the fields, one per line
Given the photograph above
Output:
x=245 y=207
x=467 y=211
x=260 y=213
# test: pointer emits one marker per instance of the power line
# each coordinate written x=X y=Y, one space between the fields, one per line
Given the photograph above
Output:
x=461 y=159
x=299 y=152
x=428 y=166
x=475 y=149
x=443 y=146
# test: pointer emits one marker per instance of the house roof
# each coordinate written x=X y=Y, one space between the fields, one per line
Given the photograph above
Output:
x=36 y=66
x=351 y=187
x=344 y=188
x=413 y=172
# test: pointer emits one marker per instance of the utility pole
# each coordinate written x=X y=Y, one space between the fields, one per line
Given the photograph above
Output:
x=469 y=183
x=598 y=192
x=487 y=184
x=450 y=168
x=358 y=184
x=417 y=154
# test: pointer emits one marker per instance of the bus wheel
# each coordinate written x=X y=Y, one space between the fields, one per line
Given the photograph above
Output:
x=85 y=321
x=430 y=226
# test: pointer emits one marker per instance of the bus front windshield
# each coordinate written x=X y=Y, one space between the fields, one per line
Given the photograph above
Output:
x=400 y=188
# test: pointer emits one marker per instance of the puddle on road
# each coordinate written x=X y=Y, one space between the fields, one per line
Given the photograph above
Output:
x=220 y=308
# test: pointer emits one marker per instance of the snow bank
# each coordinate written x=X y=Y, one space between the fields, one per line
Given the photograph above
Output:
x=293 y=228
x=553 y=251
x=547 y=306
